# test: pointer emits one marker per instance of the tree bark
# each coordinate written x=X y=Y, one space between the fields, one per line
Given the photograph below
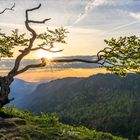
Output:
x=5 y=83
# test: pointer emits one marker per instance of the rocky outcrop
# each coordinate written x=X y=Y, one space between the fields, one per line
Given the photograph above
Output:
x=10 y=128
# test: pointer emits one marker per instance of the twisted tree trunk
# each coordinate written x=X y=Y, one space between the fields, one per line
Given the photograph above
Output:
x=5 y=83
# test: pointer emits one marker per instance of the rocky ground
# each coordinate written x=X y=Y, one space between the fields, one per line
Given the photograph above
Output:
x=9 y=127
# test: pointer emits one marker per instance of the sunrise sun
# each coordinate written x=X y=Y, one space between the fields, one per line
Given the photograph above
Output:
x=48 y=55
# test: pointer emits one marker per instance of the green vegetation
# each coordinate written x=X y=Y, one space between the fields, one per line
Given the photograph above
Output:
x=122 y=55
x=46 y=127
x=104 y=102
x=112 y=106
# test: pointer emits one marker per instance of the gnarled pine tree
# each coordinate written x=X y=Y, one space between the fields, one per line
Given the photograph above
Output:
x=121 y=55
x=7 y=43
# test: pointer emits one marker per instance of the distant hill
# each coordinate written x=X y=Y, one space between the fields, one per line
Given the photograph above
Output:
x=103 y=102
x=19 y=89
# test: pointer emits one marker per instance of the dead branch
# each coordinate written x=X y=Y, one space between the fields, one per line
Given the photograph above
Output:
x=76 y=60
x=42 y=64
x=43 y=21
x=8 y=9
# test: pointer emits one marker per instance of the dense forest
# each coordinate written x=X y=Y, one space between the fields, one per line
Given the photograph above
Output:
x=104 y=102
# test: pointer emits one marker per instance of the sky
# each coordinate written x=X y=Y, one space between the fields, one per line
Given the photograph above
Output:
x=89 y=22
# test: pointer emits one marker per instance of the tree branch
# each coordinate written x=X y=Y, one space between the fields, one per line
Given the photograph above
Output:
x=101 y=55
x=76 y=60
x=101 y=59
x=8 y=9
x=43 y=21
x=45 y=49
x=31 y=41
x=42 y=64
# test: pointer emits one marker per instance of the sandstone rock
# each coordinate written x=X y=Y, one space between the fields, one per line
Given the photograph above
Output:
x=9 y=128
x=18 y=121
x=6 y=124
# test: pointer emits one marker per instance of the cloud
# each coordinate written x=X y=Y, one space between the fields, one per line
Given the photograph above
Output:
x=90 y=6
x=7 y=63
x=78 y=30
x=124 y=26
x=135 y=15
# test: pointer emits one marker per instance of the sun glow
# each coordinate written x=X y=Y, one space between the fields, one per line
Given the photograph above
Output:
x=48 y=55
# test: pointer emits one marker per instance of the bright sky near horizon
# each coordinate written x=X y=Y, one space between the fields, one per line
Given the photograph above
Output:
x=88 y=21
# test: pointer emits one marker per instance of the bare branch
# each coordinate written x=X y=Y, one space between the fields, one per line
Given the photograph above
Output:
x=45 y=49
x=35 y=8
x=43 y=21
x=31 y=42
x=8 y=9
x=76 y=60
x=42 y=64
x=101 y=60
